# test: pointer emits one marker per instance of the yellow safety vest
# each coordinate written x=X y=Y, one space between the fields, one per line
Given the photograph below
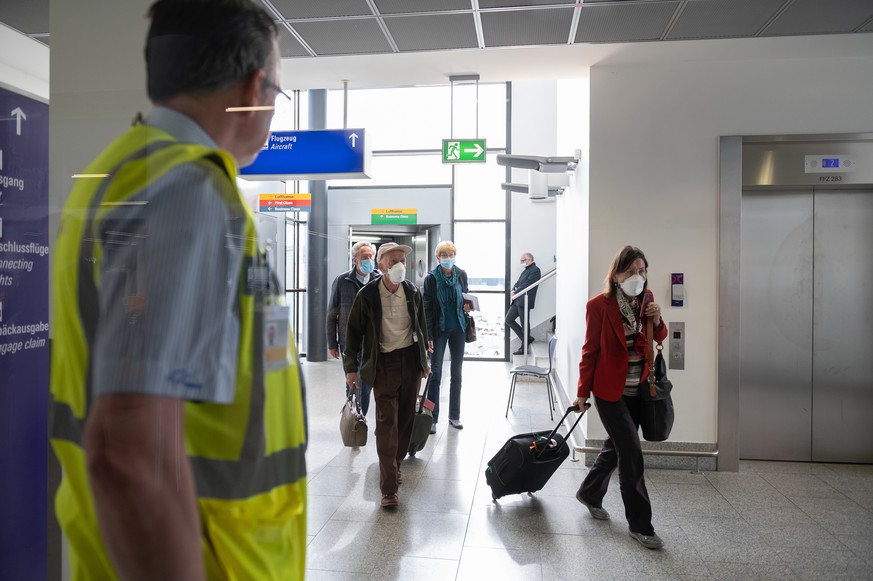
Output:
x=247 y=457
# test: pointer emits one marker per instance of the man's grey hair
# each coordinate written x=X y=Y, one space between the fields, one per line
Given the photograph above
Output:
x=529 y=255
x=356 y=247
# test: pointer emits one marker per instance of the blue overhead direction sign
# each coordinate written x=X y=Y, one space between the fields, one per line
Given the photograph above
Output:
x=317 y=154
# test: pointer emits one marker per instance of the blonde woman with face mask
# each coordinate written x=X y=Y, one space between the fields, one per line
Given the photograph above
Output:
x=444 y=310
x=614 y=363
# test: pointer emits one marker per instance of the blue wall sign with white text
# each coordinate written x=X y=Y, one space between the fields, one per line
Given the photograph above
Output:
x=24 y=333
x=318 y=154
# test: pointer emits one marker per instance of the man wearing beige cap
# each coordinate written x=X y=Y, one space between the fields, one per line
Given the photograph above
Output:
x=387 y=325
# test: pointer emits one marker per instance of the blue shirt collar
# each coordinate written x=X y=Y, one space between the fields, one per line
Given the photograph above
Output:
x=179 y=126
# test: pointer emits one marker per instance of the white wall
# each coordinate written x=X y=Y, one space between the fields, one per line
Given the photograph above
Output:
x=654 y=178
x=572 y=235
x=534 y=132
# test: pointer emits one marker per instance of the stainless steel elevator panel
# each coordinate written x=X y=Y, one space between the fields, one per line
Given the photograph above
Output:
x=842 y=367
x=776 y=285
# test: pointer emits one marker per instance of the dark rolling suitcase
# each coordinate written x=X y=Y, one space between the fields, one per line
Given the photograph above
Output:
x=422 y=423
x=527 y=461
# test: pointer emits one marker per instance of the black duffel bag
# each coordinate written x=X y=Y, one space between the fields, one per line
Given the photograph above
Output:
x=656 y=405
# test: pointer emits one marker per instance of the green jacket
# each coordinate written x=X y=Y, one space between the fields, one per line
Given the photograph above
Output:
x=365 y=329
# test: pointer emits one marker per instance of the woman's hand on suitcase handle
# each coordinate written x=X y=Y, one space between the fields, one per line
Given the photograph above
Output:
x=581 y=404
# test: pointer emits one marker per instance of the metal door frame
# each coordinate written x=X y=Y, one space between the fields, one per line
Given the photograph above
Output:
x=731 y=183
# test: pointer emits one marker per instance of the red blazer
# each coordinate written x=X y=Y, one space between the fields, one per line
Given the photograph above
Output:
x=603 y=368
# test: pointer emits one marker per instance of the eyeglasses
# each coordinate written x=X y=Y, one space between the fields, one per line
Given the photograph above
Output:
x=278 y=89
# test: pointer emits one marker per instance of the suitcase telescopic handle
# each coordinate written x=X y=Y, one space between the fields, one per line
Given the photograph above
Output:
x=571 y=409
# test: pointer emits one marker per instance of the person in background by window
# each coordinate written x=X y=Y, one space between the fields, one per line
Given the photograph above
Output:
x=444 y=310
x=529 y=275
x=342 y=294
x=614 y=363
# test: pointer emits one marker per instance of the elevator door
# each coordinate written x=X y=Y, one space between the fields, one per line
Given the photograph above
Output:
x=806 y=326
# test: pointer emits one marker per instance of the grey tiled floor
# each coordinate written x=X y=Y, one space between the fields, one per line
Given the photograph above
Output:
x=768 y=521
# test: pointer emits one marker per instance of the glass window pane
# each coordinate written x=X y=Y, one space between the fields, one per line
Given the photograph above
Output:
x=492 y=114
x=403 y=170
x=480 y=113
x=478 y=193
x=389 y=115
x=482 y=253
x=489 y=327
x=283 y=115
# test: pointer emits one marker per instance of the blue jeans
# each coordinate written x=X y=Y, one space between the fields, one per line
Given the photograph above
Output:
x=455 y=339
x=364 y=395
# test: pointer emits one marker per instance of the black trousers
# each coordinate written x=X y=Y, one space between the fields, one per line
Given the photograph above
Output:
x=621 y=449
x=509 y=321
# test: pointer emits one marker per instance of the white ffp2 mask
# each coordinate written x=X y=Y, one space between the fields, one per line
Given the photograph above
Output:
x=633 y=285
x=397 y=273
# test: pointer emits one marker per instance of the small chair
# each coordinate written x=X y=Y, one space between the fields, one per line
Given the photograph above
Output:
x=535 y=371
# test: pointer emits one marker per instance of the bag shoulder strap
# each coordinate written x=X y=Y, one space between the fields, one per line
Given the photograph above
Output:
x=650 y=337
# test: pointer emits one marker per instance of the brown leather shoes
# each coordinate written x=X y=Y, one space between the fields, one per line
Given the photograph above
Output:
x=390 y=500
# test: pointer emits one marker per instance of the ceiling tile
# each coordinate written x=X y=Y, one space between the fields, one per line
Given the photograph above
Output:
x=27 y=16
x=526 y=27
x=635 y=21
x=485 y=4
x=818 y=17
x=294 y=9
x=289 y=47
x=723 y=18
x=436 y=32
x=411 y=7
x=355 y=36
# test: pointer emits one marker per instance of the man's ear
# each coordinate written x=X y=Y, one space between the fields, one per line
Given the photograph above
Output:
x=252 y=89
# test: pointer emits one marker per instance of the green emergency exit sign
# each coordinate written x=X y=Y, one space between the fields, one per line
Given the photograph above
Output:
x=463 y=150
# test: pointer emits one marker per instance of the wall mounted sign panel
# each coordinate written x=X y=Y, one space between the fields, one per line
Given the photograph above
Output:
x=319 y=154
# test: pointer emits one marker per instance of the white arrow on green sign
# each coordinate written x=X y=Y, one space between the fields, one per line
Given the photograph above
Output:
x=463 y=150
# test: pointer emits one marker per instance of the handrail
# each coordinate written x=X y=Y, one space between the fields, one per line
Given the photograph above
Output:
x=542 y=279
x=552 y=273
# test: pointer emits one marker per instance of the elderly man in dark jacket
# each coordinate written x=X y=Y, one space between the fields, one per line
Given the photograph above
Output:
x=387 y=325
x=529 y=275
x=342 y=295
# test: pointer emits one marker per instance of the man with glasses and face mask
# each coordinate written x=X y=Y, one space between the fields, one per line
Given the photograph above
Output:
x=387 y=325
x=529 y=275
x=171 y=345
x=342 y=294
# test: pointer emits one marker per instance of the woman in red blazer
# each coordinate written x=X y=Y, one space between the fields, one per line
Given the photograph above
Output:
x=612 y=367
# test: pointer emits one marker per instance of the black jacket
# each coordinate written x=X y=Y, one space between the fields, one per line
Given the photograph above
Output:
x=432 y=303
x=529 y=275
x=342 y=294
x=364 y=329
